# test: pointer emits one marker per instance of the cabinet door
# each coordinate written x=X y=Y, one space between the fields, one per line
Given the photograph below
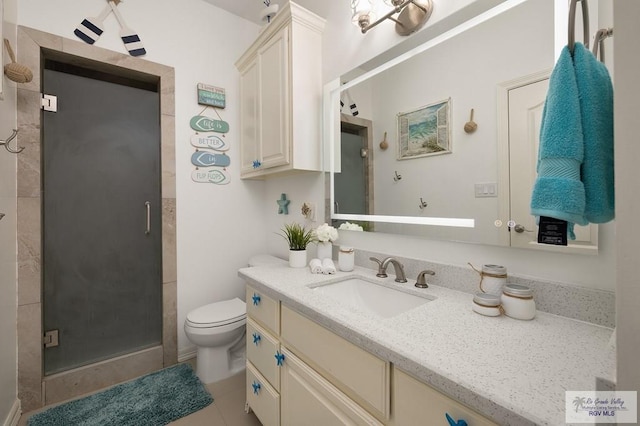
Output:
x=308 y=399
x=415 y=403
x=274 y=107
x=249 y=119
x=262 y=348
x=262 y=398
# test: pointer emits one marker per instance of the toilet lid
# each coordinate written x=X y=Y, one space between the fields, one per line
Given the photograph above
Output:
x=218 y=314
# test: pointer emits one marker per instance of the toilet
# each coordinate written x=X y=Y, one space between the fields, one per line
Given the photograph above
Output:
x=218 y=331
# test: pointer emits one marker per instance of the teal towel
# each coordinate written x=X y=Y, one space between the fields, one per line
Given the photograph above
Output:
x=558 y=191
x=596 y=106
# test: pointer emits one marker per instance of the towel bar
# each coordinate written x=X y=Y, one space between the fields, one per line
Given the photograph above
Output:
x=572 y=24
x=598 y=41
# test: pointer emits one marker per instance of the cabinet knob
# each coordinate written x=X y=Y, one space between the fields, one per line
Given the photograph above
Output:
x=256 y=338
x=256 y=164
x=279 y=358
x=453 y=422
x=256 y=387
x=256 y=299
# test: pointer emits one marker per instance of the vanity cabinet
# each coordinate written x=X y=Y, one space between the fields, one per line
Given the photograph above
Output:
x=414 y=402
x=281 y=96
x=298 y=370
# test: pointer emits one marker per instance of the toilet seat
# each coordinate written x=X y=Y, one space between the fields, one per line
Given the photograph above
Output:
x=218 y=314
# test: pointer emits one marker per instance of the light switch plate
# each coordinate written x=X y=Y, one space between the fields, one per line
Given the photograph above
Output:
x=486 y=190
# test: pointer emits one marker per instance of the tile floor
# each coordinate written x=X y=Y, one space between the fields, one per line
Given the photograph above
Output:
x=227 y=408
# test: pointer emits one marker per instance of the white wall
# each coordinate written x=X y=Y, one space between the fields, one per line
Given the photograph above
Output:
x=8 y=238
x=218 y=227
x=589 y=271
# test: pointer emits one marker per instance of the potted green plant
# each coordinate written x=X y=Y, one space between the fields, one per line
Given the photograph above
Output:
x=298 y=238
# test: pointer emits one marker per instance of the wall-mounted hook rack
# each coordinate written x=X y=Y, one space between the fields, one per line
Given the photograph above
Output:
x=422 y=204
x=8 y=140
x=397 y=177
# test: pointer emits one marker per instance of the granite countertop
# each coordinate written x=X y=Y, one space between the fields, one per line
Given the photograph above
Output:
x=514 y=372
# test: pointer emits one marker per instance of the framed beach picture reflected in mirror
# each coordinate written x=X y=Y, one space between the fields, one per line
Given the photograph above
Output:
x=425 y=131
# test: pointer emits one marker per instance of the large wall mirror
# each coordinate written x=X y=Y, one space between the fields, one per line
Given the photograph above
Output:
x=435 y=169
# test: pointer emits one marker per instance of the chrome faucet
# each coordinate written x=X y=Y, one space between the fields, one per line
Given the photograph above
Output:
x=397 y=266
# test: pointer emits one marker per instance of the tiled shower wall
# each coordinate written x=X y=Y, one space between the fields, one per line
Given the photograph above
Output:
x=33 y=389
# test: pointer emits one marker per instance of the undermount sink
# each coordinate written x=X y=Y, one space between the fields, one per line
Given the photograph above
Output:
x=371 y=297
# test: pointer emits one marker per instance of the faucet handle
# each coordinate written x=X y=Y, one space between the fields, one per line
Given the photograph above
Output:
x=382 y=273
x=421 y=281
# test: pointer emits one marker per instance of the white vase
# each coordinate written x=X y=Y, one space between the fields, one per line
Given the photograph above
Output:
x=297 y=258
x=325 y=250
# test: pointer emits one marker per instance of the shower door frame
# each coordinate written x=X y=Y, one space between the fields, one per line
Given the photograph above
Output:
x=34 y=390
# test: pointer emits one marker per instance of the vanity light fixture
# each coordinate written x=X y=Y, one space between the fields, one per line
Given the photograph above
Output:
x=410 y=14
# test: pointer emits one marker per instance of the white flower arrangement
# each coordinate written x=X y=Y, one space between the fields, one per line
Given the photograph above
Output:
x=348 y=226
x=325 y=233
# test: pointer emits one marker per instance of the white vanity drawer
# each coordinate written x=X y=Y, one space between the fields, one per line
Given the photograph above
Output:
x=414 y=401
x=361 y=375
x=262 y=398
x=307 y=398
x=263 y=309
x=262 y=348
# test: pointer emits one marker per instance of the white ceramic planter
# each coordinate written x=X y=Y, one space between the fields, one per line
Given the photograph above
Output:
x=297 y=258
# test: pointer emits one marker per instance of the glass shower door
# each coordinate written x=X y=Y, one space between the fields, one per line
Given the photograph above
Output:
x=102 y=267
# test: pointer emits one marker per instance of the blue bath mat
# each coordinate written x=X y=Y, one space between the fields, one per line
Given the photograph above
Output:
x=155 y=399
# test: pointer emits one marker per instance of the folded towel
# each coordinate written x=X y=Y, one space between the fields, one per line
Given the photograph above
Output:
x=316 y=266
x=558 y=191
x=596 y=106
x=328 y=267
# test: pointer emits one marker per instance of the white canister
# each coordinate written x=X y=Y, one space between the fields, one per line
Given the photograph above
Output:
x=517 y=302
x=492 y=279
x=346 y=259
x=486 y=304
x=325 y=250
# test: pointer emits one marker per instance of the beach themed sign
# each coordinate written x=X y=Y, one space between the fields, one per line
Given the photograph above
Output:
x=207 y=159
x=211 y=96
x=210 y=142
x=214 y=176
x=200 y=123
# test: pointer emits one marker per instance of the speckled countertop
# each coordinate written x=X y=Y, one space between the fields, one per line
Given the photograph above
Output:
x=514 y=372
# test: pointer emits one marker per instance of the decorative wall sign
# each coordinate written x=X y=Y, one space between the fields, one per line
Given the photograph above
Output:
x=207 y=159
x=200 y=123
x=214 y=176
x=283 y=204
x=211 y=96
x=210 y=141
x=425 y=131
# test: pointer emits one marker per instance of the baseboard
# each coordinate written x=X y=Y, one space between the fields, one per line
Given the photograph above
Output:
x=14 y=415
x=187 y=353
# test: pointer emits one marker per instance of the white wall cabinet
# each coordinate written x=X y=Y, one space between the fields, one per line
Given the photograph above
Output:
x=281 y=96
x=299 y=372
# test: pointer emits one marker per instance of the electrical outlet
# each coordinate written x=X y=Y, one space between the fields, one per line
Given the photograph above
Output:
x=308 y=210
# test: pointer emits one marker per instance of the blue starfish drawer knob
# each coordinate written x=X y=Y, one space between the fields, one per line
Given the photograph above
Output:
x=256 y=338
x=279 y=358
x=453 y=422
x=256 y=164
x=256 y=299
x=256 y=387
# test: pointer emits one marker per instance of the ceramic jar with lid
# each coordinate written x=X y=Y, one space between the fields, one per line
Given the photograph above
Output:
x=492 y=279
x=517 y=302
x=346 y=259
x=486 y=304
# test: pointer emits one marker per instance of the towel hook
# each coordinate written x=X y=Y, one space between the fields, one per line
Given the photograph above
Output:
x=422 y=204
x=9 y=139
x=572 y=24
x=598 y=41
x=397 y=177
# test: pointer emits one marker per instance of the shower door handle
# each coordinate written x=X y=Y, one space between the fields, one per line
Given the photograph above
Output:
x=147 y=231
